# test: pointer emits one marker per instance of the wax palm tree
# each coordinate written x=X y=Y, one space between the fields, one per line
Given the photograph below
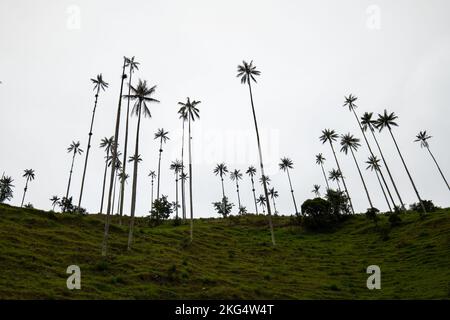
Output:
x=184 y=117
x=55 y=201
x=247 y=72
x=152 y=176
x=368 y=123
x=183 y=178
x=221 y=170
x=99 y=84
x=192 y=112
x=132 y=65
x=335 y=175
x=374 y=165
x=316 y=190
x=163 y=137
x=123 y=178
x=285 y=165
x=273 y=194
x=264 y=180
x=29 y=176
x=118 y=165
x=236 y=175
x=388 y=121
x=349 y=142
x=75 y=149
x=262 y=202
x=106 y=143
x=331 y=136
x=176 y=167
x=422 y=137
x=320 y=160
x=6 y=192
x=251 y=171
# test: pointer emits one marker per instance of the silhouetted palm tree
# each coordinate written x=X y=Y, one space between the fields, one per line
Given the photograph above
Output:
x=99 y=83
x=183 y=116
x=262 y=202
x=349 y=142
x=374 y=165
x=162 y=136
x=247 y=72
x=221 y=170
x=273 y=194
x=75 y=149
x=176 y=167
x=107 y=144
x=123 y=177
x=264 y=180
x=190 y=109
x=320 y=160
x=55 y=201
x=331 y=136
x=132 y=65
x=422 y=137
x=236 y=175
x=335 y=175
x=152 y=176
x=316 y=190
x=368 y=123
x=285 y=165
x=387 y=121
x=251 y=171
x=6 y=192
x=29 y=175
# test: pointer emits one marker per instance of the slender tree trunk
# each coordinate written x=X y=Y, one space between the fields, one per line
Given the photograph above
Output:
x=114 y=195
x=183 y=196
x=389 y=192
x=382 y=189
x=274 y=206
x=159 y=168
x=407 y=171
x=70 y=175
x=190 y=184
x=266 y=194
x=113 y=164
x=223 y=189
x=24 y=192
x=439 y=168
x=135 y=174
x=254 y=195
x=362 y=178
x=239 y=197
x=387 y=169
x=342 y=177
x=104 y=181
x=151 y=204
x=88 y=147
x=176 y=193
x=325 y=176
x=292 y=192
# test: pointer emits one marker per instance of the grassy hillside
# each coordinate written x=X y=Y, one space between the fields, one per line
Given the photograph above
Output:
x=229 y=259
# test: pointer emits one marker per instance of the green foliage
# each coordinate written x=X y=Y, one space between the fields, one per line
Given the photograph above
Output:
x=394 y=219
x=339 y=202
x=28 y=206
x=318 y=214
x=66 y=204
x=223 y=207
x=6 y=192
x=162 y=209
x=371 y=214
x=428 y=204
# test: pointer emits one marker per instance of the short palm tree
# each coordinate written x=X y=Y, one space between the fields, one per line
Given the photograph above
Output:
x=285 y=165
x=331 y=136
x=247 y=72
x=335 y=175
x=221 y=170
x=273 y=194
x=422 y=137
x=388 y=121
x=192 y=112
x=6 y=192
x=374 y=165
x=75 y=149
x=183 y=116
x=320 y=160
x=176 y=167
x=236 y=175
x=99 y=83
x=55 y=201
x=316 y=190
x=152 y=176
x=349 y=142
x=262 y=202
x=107 y=144
x=29 y=176
x=251 y=171
x=163 y=137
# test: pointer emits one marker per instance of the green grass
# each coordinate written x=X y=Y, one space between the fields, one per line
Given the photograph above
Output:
x=229 y=259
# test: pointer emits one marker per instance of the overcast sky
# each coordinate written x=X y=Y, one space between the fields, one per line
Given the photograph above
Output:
x=391 y=54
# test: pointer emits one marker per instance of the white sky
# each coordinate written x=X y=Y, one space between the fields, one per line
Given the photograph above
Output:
x=310 y=53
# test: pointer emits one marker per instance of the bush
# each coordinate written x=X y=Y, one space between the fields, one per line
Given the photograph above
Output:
x=29 y=205
x=394 y=219
x=162 y=209
x=338 y=201
x=428 y=204
x=223 y=207
x=318 y=214
x=371 y=214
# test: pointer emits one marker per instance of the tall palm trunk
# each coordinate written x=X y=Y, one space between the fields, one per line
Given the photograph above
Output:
x=88 y=147
x=190 y=184
x=254 y=195
x=223 y=188
x=342 y=177
x=151 y=204
x=292 y=192
x=114 y=195
x=176 y=194
x=362 y=178
x=113 y=164
x=183 y=197
x=70 y=176
x=159 y=168
x=135 y=173
x=443 y=177
x=407 y=171
x=266 y=193
x=104 y=181
x=239 y=197
x=325 y=176
x=24 y=191
x=382 y=189
x=274 y=206
x=387 y=169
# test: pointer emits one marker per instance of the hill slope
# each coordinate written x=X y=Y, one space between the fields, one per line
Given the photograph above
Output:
x=229 y=259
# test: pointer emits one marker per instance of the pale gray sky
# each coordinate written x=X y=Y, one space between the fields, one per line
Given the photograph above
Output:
x=391 y=54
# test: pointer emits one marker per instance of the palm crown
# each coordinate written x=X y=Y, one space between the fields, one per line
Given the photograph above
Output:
x=315 y=189
x=54 y=200
x=129 y=62
x=251 y=171
x=335 y=174
x=348 y=141
x=189 y=109
x=176 y=166
x=367 y=121
x=422 y=136
x=142 y=94
x=236 y=175
x=161 y=134
x=247 y=71
x=75 y=148
x=373 y=163
x=261 y=200
x=386 y=120
x=107 y=143
x=99 y=83
x=273 y=193
x=221 y=169
x=264 y=179
x=350 y=102
x=285 y=164
x=29 y=174
x=152 y=174
x=328 y=135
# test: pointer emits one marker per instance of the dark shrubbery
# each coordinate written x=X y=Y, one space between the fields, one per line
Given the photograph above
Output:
x=371 y=214
x=428 y=204
x=223 y=207
x=394 y=219
x=162 y=209
x=339 y=202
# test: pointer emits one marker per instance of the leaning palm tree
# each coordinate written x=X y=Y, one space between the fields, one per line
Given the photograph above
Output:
x=247 y=72
x=349 y=142
x=183 y=116
x=422 y=137
x=152 y=176
x=374 y=165
x=388 y=121
x=368 y=123
x=331 y=136
x=285 y=165
x=75 y=149
x=190 y=109
x=107 y=144
x=320 y=160
x=273 y=194
x=29 y=175
x=99 y=83
x=316 y=190
x=335 y=175
x=132 y=65
x=236 y=175
x=176 y=167
x=221 y=170
x=262 y=202
x=251 y=171
x=55 y=201
x=163 y=137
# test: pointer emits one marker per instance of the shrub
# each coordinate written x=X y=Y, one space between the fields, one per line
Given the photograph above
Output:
x=338 y=201
x=223 y=207
x=428 y=204
x=28 y=206
x=371 y=214
x=162 y=209
x=394 y=219
x=318 y=214
x=6 y=192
